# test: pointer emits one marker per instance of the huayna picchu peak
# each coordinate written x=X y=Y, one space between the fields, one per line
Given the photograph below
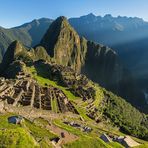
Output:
x=67 y=91
x=63 y=43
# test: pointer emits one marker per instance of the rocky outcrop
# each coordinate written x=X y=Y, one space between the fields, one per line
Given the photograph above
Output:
x=98 y=62
x=39 y=53
x=14 y=51
x=17 y=56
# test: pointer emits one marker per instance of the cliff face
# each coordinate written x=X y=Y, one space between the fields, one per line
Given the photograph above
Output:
x=102 y=66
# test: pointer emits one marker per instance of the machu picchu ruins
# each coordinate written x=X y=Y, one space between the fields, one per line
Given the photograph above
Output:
x=25 y=91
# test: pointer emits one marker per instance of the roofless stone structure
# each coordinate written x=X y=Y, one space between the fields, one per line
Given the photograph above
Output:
x=27 y=92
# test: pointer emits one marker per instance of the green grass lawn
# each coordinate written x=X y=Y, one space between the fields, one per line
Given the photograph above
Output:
x=116 y=145
x=99 y=95
x=37 y=131
x=142 y=146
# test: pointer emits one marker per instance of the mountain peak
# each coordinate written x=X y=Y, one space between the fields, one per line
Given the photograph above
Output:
x=89 y=16
x=63 y=43
x=58 y=27
x=14 y=49
x=61 y=18
x=35 y=22
x=108 y=16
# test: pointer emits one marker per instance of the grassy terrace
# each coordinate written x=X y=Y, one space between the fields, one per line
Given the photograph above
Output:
x=87 y=142
x=54 y=106
x=25 y=135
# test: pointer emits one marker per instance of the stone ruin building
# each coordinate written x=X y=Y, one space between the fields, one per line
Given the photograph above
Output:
x=25 y=91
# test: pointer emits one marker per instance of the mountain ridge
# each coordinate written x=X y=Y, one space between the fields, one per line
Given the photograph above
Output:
x=81 y=59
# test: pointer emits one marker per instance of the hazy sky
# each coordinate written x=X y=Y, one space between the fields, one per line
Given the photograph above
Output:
x=16 y=12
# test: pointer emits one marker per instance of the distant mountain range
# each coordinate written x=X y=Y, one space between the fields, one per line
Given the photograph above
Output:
x=29 y=34
x=127 y=36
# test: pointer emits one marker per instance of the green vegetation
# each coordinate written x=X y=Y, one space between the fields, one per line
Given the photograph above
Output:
x=115 y=145
x=87 y=142
x=40 y=122
x=27 y=134
x=100 y=105
x=14 y=135
x=25 y=33
x=82 y=112
x=72 y=130
x=38 y=132
x=99 y=95
x=39 y=53
x=54 y=106
x=17 y=137
x=108 y=105
x=142 y=146
x=129 y=119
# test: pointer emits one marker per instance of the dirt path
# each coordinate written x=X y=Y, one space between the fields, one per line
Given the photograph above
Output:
x=68 y=137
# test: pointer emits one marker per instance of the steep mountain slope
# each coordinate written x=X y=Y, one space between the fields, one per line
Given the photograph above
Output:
x=35 y=29
x=68 y=49
x=9 y=35
x=64 y=44
x=29 y=34
x=110 y=30
x=125 y=35
x=44 y=87
x=98 y=62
